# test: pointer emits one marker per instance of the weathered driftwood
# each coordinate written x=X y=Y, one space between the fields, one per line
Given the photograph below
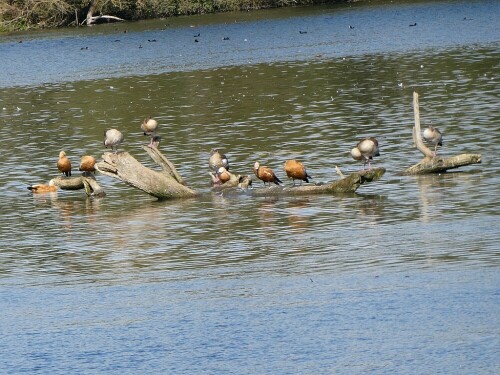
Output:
x=347 y=184
x=164 y=184
x=86 y=181
x=432 y=163
x=91 y=19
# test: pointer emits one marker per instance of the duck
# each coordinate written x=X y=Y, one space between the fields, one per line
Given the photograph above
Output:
x=112 y=138
x=223 y=174
x=434 y=136
x=87 y=164
x=149 y=127
x=365 y=150
x=217 y=160
x=296 y=171
x=64 y=164
x=41 y=188
x=265 y=174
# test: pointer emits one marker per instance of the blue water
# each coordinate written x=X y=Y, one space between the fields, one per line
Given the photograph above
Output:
x=112 y=51
x=401 y=277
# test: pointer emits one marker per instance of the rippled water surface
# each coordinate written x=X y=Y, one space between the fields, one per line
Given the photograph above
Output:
x=400 y=277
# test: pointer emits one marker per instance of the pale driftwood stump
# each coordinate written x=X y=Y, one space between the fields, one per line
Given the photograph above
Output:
x=164 y=184
x=432 y=163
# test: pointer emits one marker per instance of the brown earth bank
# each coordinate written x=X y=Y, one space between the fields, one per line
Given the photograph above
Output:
x=36 y=14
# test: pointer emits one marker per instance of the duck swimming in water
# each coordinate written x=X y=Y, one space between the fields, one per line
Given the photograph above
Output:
x=296 y=171
x=265 y=174
x=112 y=138
x=434 y=136
x=41 y=188
x=64 y=164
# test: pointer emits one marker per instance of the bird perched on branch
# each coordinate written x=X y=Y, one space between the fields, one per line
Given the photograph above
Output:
x=223 y=174
x=217 y=160
x=434 y=136
x=112 y=138
x=265 y=174
x=296 y=171
x=87 y=164
x=149 y=127
x=365 y=150
x=64 y=164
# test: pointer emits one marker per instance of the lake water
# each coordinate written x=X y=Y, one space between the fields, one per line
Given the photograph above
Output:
x=400 y=277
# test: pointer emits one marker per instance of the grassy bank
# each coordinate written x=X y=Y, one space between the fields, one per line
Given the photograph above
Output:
x=32 y=14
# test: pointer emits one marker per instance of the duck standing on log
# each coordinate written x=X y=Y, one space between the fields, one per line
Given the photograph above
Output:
x=223 y=174
x=265 y=174
x=87 y=164
x=217 y=160
x=64 y=164
x=112 y=138
x=434 y=136
x=296 y=171
x=149 y=127
x=365 y=150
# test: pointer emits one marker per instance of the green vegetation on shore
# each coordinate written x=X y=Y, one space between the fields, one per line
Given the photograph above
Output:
x=32 y=14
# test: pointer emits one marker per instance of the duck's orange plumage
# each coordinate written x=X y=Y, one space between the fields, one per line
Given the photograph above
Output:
x=265 y=174
x=296 y=171
x=41 y=188
x=64 y=164
x=87 y=164
x=223 y=174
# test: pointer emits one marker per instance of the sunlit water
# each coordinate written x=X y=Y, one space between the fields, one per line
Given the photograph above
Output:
x=401 y=277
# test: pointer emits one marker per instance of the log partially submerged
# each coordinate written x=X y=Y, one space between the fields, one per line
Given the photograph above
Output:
x=432 y=163
x=86 y=181
x=164 y=184
x=347 y=184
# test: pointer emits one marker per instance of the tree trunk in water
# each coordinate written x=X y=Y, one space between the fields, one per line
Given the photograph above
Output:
x=165 y=184
x=86 y=181
x=348 y=184
x=432 y=163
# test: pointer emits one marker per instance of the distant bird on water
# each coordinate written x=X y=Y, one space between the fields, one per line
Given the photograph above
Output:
x=112 y=138
x=149 y=126
x=64 y=164
x=265 y=174
x=365 y=150
x=434 y=136
x=296 y=171
x=87 y=164
x=217 y=160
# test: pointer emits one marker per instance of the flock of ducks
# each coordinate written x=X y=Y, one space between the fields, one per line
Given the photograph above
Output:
x=364 y=151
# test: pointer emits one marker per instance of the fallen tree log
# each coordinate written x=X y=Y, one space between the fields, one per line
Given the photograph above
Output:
x=87 y=181
x=347 y=184
x=164 y=184
x=432 y=163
